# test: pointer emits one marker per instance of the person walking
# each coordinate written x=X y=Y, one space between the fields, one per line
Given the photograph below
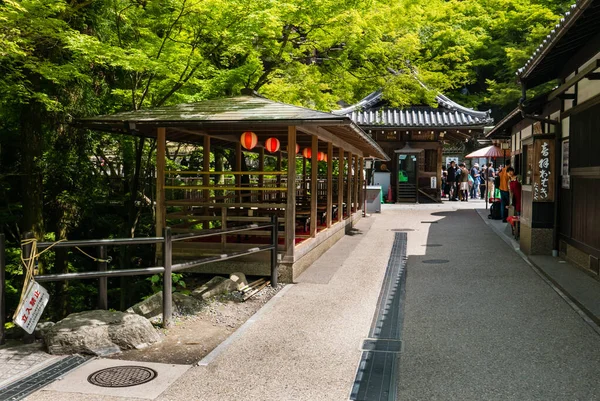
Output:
x=504 y=195
x=464 y=182
x=475 y=175
x=452 y=172
x=514 y=189
x=490 y=174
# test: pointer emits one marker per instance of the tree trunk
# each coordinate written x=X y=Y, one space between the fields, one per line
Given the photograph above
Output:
x=31 y=155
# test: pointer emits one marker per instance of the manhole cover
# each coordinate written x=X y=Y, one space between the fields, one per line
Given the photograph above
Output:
x=122 y=376
x=436 y=261
x=432 y=245
x=402 y=229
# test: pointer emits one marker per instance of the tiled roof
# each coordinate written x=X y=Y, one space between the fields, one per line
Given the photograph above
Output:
x=575 y=28
x=372 y=111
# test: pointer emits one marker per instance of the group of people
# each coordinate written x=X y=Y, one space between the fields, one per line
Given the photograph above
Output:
x=460 y=183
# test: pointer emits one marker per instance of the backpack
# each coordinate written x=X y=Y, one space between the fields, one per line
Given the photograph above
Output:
x=497 y=181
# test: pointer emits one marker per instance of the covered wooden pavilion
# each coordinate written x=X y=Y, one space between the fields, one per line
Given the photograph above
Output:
x=314 y=209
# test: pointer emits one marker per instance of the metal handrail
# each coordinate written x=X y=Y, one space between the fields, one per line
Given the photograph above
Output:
x=166 y=240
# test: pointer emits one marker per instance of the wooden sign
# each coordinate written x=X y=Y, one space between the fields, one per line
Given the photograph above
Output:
x=543 y=170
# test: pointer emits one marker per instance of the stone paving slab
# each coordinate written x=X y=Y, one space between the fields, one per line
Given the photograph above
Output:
x=18 y=360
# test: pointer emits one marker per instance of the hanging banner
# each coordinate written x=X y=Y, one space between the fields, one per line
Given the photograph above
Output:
x=543 y=170
x=566 y=179
x=31 y=307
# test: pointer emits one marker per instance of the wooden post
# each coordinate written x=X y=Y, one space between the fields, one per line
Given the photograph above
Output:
x=304 y=177
x=238 y=167
x=356 y=183
x=290 y=208
x=329 y=210
x=206 y=177
x=361 y=183
x=261 y=177
x=349 y=185
x=102 y=281
x=161 y=146
x=279 y=197
x=314 y=193
x=223 y=225
x=340 y=184
x=439 y=173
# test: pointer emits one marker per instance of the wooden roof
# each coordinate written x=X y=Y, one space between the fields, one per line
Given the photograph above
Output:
x=224 y=120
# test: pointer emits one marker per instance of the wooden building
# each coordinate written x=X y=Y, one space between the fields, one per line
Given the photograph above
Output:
x=314 y=210
x=413 y=139
x=555 y=141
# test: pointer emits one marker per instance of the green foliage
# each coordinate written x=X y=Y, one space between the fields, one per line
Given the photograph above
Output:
x=61 y=60
x=156 y=282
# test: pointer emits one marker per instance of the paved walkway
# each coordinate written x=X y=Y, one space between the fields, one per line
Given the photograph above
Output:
x=479 y=323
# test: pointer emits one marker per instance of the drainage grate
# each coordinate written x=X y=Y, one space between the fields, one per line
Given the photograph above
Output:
x=402 y=229
x=436 y=261
x=430 y=222
x=378 y=370
x=432 y=245
x=22 y=388
x=122 y=376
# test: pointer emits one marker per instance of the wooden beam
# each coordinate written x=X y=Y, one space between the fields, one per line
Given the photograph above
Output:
x=206 y=177
x=314 y=170
x=340 y=199
x=349 y=185
x=327 y=136
x=290 y=209
x=161 y=146
x=238 y=167
x=329 y=183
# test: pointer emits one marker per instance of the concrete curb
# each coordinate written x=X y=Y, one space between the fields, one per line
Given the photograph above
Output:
x=243 y=328
x=581 y=310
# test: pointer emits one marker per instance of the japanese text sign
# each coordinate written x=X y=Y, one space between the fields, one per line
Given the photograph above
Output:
x=32 y=306
x=543 y=170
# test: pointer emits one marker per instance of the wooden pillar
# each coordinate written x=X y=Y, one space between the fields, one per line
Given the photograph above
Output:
x=290 y=208
x=439 y=172
x=279 y=197
x=238 y=168
x=356 y=183
x=349 y=185
x=206 y=177
x=261 y=177
x=314 y=194
x=340 y=199
x=161 y=146
x=329 y=210
x=304 y=191
x=361 y=183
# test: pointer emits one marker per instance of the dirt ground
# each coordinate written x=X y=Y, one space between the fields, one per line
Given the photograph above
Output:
x=193 y=337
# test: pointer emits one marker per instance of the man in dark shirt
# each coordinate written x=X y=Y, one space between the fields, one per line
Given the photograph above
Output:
x=452 y=181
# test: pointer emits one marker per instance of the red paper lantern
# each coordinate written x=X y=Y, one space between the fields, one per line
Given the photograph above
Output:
x=272 y=145
x=249 y=140
x=307 y=153
x=321 y=156
x=325 y=157
x=297 y=148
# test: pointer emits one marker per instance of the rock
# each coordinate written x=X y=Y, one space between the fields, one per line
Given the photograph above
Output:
x=185 y=304
x=151 y=307
x=42 y=328
x=239 y=279
x=216 y=286
x=100 y=332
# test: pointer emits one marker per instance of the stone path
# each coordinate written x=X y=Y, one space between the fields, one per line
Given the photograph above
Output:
x=18 y=360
